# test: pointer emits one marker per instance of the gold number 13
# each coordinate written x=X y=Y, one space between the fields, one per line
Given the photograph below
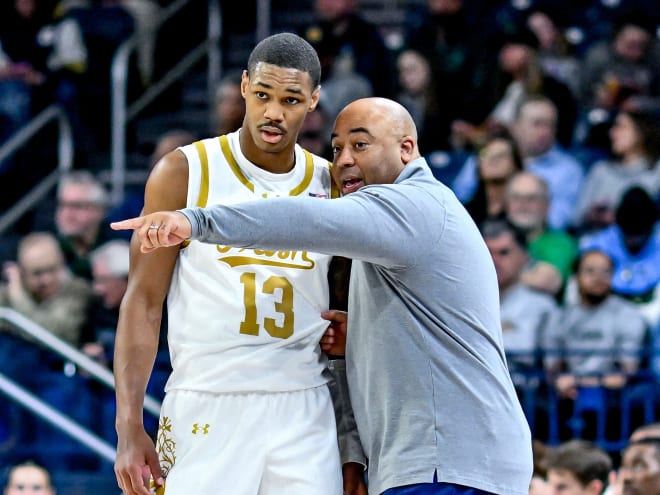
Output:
x=250 y=325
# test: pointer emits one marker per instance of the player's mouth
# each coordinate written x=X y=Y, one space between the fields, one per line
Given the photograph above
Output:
x=271 y=135
x=351 y=184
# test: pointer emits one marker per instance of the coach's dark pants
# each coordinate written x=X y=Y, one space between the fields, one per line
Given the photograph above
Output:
x=435 y=488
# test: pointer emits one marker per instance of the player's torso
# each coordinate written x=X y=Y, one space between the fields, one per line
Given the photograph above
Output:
x=242 y=319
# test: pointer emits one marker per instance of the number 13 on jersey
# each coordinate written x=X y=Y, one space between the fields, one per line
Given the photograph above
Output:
x=277 y=286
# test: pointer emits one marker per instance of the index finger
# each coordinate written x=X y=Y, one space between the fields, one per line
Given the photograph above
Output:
x=129 y=224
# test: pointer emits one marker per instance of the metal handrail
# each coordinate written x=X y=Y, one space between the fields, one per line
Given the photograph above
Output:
x=123 y=114
x=100 y=372
x=54 y=417
x=64 y=160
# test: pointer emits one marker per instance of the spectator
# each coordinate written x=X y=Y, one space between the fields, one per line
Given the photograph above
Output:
x=539 y=485
x=523 y=78
x=40 y=287
x=498 y=161
x=640 y=466
x=648 y=473
x=633 y=243
x=599 y=338
x=553 y=251
x=41 y=58
x=635 y=138
x=623 y=73
x=578 y=467
x=146 y=14
x=443 y=32
x=355 y=61
x=82 y=202
x=109 y=280
x=418 y=92
x=555 y=52
x=526 y=315
x=29 y=478
x=228 y=106
x=45 y=57
x=339 y=32
x=535 y=132
x=22 y=62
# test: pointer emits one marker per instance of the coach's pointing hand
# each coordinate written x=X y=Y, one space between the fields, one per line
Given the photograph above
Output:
x=160 y=229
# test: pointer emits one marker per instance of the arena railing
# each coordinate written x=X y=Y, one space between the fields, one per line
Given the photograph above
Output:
x=73 y=355
x=123 y=114
x=65 y=154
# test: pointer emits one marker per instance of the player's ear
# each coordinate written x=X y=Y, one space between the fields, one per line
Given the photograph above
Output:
x=314 y=100
x=245 y=79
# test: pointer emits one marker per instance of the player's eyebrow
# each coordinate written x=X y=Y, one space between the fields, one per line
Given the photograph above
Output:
x=294 y=90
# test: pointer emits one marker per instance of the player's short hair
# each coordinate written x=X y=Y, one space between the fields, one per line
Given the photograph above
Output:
x=287 y=50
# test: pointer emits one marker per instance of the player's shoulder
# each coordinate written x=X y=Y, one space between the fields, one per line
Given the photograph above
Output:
x=168 y=182
x=318 y=160
x=174 y=163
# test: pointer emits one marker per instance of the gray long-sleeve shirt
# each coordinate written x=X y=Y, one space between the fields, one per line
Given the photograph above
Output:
x=426 y=369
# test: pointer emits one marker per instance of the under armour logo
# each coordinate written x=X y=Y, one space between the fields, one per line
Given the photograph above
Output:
x=203 y=429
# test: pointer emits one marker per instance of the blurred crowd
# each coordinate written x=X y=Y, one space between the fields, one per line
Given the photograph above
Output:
x=543 y=117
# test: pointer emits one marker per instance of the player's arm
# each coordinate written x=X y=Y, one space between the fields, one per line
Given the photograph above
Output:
x=333 y=341
x=139 y=327
x=353 y=458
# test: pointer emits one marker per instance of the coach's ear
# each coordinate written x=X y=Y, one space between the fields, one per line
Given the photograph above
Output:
x=408 y=149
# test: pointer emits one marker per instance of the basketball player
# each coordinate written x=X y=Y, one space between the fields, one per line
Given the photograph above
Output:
x=247 y=408
x=435 y=408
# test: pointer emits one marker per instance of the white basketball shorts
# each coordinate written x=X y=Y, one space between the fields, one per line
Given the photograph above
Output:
x=281 y=443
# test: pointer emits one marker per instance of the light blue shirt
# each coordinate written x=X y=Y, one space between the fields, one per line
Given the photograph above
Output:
x=634 y=275
x=564 y=176
x=562 y=173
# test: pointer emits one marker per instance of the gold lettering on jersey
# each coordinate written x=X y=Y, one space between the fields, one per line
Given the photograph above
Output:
x=203 y=429
x=284 y=259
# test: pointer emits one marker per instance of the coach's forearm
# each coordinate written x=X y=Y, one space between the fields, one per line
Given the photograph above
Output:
x=360 y=226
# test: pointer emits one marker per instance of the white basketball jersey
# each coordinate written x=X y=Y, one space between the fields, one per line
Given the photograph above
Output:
x=244 y=320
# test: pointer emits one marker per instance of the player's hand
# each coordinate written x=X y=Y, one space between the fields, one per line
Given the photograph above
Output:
x=354 y=483
x=334 y=339
x=160 y=229
x=137 y=463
